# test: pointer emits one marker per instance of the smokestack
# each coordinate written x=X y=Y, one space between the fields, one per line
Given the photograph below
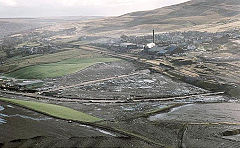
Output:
x=153 y=36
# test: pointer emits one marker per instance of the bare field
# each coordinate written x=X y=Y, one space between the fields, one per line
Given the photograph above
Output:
x=94 y=72
x=143 y=85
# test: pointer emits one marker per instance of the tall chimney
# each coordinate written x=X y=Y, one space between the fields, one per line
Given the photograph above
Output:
x=153 y=36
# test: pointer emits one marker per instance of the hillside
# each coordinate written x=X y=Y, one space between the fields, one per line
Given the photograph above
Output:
x=9 y=26
x=215 y=15
x=200 y=15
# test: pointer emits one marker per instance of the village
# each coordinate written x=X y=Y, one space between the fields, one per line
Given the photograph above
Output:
x=172 y=43
x=174 y=50
x=31 y=43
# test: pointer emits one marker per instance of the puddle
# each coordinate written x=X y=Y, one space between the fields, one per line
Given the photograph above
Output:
x=106 y=132
x=205 y=99
x=210 y=99
x=2 y=121
x=145 y=87
x=128 y=108
x=231 y=132
x=146 y=81
x=210 y=113
x=159 y=116
x=232 y=138
x=27 y=117
x=100 y=130
x=10 y=106
x=3 y=115
x=1 y=108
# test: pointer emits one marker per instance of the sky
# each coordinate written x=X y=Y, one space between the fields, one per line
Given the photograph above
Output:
x=48 y=8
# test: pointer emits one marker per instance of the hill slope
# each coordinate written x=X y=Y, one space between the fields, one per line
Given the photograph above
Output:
x=195 y=14
x=9 y=26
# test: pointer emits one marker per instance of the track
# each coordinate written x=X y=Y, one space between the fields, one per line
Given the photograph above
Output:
x=105 y=100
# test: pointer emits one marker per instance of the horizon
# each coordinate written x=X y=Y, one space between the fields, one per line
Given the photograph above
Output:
x=74 y=8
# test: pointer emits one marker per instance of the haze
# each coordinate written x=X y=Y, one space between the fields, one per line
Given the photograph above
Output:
x=47 y=8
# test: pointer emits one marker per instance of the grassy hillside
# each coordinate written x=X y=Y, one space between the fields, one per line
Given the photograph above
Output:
x=57 y=69
x=54 y=110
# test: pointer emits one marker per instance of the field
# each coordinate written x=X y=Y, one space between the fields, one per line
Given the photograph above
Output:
x=144 y=85
x=54 y=110
x=67 y=53
x=57 y=69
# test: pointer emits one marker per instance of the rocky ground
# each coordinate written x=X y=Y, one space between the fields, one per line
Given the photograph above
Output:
x=144 y=84
x=95 y=72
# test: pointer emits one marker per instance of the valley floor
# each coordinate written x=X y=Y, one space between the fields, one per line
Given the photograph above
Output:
x=139 y=107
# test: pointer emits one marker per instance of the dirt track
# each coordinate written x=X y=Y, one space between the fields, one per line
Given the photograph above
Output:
x=41 y=97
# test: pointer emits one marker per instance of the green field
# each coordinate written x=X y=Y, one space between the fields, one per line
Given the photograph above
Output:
x=19 y=62
x=54 y=110
x=57 y=69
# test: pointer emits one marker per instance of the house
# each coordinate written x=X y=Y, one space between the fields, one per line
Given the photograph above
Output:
x=128 y=46
x=149 y=45
x=191 y=47
x=155 y=49
x=173 y=49
x=164 y=50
